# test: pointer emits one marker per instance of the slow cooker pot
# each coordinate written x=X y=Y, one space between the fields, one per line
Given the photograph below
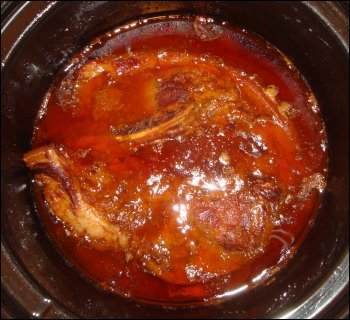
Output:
x=38 y=37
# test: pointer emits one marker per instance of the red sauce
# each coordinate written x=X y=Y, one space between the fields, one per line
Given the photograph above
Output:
x=174 y=130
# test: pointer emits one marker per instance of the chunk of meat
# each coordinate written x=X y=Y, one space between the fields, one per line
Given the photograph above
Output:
x=178 y=88
x=242 y=223
x=63 y=196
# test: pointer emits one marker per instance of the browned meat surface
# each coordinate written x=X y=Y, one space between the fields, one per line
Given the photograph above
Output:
x=64 y=198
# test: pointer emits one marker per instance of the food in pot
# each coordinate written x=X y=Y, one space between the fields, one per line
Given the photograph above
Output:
x=178 y=159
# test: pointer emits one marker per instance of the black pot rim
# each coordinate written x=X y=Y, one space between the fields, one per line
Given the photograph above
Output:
x=330 y=298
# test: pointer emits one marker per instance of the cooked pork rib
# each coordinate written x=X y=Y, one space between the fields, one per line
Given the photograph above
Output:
x=63 y=195
x=179 y=84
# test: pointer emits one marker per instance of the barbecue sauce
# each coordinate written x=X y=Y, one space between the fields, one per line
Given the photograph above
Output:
x=201 y=142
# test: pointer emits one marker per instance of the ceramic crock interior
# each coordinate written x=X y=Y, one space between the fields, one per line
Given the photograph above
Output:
x=37 y=40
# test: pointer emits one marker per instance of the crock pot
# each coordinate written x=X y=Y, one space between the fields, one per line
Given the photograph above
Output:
x=36 y=39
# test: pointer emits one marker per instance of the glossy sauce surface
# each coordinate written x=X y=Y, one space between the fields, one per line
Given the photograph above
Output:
x=198 y=147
